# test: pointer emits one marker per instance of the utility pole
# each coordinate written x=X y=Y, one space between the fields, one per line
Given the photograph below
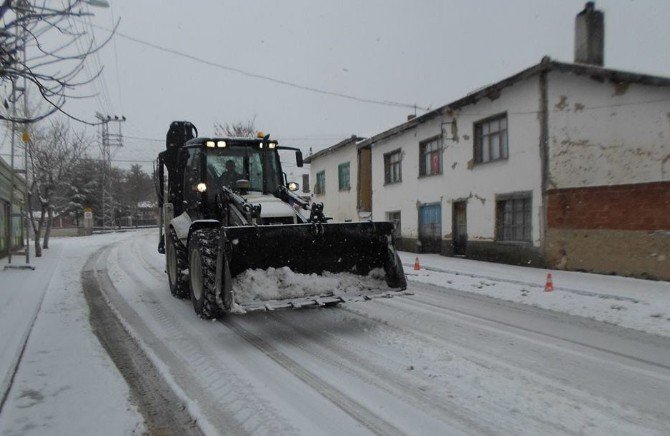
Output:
x=21 y=214
x=108 y=141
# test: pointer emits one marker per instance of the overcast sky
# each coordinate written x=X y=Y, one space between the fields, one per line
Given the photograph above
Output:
x=426 y=52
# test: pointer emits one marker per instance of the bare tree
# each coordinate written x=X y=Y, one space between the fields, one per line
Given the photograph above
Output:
x=242 y=129
x=44 y=42
x=52 y=154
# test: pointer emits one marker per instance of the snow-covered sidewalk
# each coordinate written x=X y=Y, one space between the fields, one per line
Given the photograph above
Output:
x=64 y=383
x=634 y=303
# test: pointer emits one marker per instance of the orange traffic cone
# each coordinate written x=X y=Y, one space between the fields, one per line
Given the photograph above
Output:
x=416 y=264
x=549 y=286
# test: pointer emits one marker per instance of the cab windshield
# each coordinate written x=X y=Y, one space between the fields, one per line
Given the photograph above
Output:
x=225 y=166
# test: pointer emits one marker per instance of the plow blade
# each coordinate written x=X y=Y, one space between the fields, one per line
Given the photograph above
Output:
x=363 y=249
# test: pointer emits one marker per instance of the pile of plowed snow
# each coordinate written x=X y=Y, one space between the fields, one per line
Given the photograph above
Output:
x=279 y=283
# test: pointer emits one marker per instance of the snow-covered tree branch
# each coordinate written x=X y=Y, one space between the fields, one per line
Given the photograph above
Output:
x=52 y=154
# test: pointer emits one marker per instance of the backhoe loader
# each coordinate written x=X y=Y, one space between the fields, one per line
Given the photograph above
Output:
x=227 y=208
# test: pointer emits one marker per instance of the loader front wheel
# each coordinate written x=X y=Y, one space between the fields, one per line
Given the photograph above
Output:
x=395 y=275
x=202 y=266
x=176 y=259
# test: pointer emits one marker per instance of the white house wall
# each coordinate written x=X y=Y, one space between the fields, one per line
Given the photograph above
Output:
x=601 y=133
x=461 y=179
x=341 y=205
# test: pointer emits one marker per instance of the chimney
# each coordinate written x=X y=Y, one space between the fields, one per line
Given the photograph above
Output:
x=590 y=36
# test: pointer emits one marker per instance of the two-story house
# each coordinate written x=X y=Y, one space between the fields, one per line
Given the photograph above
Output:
x=562 y=164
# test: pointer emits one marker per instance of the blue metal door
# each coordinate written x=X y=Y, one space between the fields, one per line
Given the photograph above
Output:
x=430 y=228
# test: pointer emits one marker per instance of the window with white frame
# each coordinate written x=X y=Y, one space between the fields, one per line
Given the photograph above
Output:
x=430 y=157
x=491 y=139
x=392 y=167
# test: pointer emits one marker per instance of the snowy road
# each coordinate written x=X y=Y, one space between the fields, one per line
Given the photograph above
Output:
x=439 y=362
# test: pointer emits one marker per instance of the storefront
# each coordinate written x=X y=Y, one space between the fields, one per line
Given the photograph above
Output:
x=11 y=230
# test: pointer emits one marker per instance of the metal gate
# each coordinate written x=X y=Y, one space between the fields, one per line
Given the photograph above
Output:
x=430 y=228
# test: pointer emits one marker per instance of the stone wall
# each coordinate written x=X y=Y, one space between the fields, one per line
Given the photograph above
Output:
x=644 y=254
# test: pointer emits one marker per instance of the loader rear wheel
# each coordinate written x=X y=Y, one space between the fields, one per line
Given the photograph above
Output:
x=177 y=262
x=202 y=249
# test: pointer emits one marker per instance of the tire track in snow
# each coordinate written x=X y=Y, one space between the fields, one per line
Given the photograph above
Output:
x=465 y=315
x=349 y=405
x=425 y=324
x=355 y=360
x=233 y=396
x=159 y=405
x=341 y=400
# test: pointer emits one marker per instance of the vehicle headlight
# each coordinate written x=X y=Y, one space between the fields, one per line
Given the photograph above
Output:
x=201 y=187
x=210 y=144
x=221 y=144
x=293 y=186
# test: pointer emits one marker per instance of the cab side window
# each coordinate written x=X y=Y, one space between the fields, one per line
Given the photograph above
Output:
x=192 y=176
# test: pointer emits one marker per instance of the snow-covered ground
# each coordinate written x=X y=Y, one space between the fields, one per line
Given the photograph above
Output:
x=639 y=304
x=441 y=361
x=65 y=383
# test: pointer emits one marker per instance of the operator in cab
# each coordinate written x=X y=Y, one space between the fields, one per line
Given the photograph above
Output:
x=230 y=175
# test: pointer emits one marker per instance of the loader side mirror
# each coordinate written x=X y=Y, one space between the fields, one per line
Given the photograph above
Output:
x=298 y=158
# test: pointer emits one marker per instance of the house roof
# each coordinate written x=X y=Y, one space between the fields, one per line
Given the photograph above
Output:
x=493 y=90
x=6 y=171
x=332 y=148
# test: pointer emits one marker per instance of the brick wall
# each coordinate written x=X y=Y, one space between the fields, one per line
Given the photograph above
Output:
x=643 y=206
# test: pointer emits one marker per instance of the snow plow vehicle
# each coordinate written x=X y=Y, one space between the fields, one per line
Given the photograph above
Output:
x=227 y=213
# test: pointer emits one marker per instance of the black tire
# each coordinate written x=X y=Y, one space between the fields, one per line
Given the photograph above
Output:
x=395 y=275
x=177 y=262
x=202 y=251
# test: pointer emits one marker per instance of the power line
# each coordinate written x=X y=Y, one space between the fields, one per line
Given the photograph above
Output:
x=281 y=138
x=102 y=160
x=264 y=77
x=116 y=59
x=100 y=93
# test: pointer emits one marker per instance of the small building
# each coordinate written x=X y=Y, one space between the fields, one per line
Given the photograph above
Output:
x=335 y=173
x=564 y=165
x=11 y=228
x=147 y=214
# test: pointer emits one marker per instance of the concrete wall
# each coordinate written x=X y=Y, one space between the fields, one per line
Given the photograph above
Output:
x=70 y=231
x=462 y=179
x=341 y=205
x=604 y=133
x=609 y=177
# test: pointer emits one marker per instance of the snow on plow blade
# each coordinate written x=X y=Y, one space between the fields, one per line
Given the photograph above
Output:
x=362 y=249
